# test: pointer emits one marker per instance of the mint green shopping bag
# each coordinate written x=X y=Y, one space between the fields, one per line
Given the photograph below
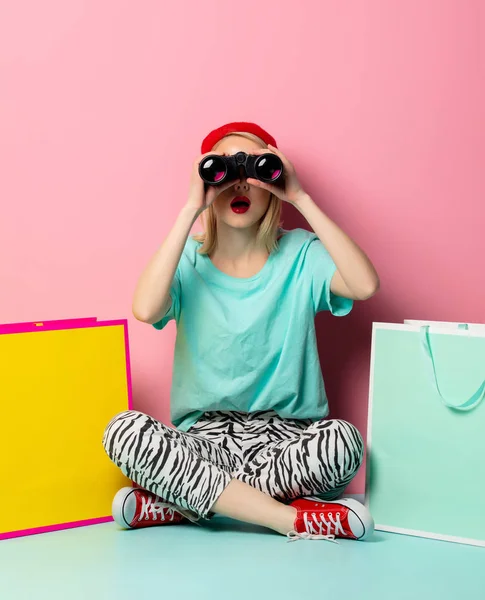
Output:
x=426 y=434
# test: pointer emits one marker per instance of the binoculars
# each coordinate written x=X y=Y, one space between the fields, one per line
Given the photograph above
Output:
x=215 y=169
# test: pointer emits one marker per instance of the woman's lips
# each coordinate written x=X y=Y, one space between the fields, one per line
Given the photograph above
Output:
x=240 y=204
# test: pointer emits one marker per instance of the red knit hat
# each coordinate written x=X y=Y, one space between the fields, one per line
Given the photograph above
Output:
x=215 y=136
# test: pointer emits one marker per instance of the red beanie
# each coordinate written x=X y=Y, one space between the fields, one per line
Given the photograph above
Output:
x=215 y=136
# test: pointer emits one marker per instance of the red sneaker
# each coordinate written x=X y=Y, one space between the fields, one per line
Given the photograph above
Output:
x=344 y=518
x=136 y=507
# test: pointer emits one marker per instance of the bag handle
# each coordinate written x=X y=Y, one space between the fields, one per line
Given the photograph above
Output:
x=469 y=404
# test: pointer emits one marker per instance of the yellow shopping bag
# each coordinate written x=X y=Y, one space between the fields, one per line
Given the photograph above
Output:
x=60 y=384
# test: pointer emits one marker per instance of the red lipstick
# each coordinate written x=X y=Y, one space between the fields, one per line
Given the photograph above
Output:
x=240 y=204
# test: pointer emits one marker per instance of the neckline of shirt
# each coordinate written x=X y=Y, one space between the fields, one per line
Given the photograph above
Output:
x=238 y=281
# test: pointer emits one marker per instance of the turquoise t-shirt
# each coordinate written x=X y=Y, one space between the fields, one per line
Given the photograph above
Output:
x=249 y=344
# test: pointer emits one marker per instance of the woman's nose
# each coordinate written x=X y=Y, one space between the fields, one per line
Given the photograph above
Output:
x=243 y=184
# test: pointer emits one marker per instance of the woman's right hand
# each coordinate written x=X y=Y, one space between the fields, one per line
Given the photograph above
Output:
x=201 y=196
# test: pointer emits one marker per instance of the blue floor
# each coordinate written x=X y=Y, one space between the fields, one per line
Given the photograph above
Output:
x=225 y=559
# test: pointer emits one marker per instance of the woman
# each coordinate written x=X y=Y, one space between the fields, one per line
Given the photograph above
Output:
x=248 y=398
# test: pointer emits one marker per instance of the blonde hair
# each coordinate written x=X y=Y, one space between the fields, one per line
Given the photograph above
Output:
x=269 y=225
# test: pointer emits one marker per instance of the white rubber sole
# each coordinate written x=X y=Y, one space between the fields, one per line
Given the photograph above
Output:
x=124 y=507
x=360 y=519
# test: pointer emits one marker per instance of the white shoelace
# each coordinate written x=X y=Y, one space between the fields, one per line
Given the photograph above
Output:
x=154 y=510
x=294 y=536
x=315 y=526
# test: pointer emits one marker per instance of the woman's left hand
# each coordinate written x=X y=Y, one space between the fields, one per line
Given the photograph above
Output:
x=292 y=192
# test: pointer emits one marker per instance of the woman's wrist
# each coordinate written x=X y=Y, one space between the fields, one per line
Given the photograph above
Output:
x=190 y=211
x=302 y=201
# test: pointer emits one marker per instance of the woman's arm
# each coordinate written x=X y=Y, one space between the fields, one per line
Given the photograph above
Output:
x=152 y=295
x=356 y=276
x=152 y=300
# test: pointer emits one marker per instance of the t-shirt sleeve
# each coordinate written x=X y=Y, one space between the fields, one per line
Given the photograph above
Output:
x=175 y=295
x=321 y=268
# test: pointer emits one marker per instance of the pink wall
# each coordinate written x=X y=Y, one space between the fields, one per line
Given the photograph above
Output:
x=103 y=104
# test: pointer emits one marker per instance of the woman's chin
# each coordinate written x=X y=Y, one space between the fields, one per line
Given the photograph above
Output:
x=240 y=221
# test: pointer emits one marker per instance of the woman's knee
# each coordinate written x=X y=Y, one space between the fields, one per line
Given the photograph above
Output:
x=119 y=425
x=344 y=444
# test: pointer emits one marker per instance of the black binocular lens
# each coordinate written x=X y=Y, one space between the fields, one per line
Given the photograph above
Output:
x=213 y=169
x=268 y=167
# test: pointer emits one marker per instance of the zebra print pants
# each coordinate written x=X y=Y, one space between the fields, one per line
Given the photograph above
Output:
x=283 y=458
